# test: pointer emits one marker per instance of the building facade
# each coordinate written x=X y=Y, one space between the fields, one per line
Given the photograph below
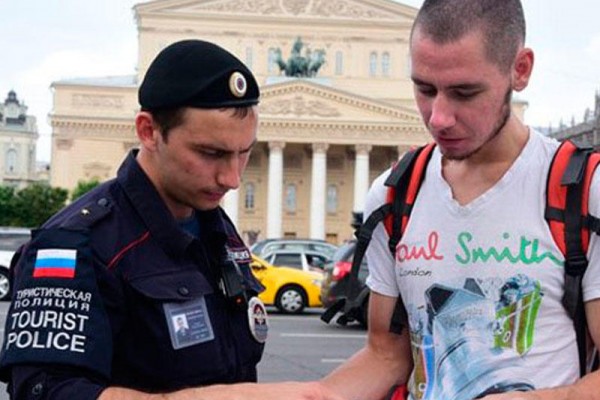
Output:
x=586 y=133
x=323 y=137
x=18 y=138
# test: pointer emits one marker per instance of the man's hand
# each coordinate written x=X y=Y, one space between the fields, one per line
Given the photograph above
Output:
x=513 y=396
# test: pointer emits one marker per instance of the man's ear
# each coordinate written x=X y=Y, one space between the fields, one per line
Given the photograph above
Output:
x=146 y=130
x=522 y=69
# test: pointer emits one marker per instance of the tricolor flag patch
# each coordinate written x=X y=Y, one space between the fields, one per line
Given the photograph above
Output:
x=55 y=263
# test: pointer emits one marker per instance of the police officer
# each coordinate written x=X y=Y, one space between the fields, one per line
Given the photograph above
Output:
x=100 y=289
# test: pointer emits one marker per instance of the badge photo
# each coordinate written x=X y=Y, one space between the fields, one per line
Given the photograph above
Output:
x=189 y=323
x=257 y=319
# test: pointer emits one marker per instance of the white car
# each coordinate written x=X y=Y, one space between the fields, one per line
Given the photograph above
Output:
x=268 y=246
x=10 y=240
x=298 y=259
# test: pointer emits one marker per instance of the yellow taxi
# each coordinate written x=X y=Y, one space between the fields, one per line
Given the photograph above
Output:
x=288 y=289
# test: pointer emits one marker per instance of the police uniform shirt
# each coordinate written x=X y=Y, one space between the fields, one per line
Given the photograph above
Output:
x=99 y=290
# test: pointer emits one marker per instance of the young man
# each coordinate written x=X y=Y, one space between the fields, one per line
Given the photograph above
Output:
x=478 y=271
x=99 y=289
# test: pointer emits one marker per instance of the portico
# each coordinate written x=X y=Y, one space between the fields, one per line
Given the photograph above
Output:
x=322 y=137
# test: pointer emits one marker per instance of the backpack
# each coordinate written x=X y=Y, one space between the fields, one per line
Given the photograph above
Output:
x=567 y=195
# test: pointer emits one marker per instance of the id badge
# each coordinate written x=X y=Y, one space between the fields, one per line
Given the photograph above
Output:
x=189 y=323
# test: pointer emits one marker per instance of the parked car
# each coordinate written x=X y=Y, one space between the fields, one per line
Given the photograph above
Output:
x=10 y=240
x=289 y=289
x=267 y=246
x=335 y=285
x=304 y=260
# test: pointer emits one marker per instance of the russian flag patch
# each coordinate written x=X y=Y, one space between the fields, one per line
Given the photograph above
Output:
x=55 y=263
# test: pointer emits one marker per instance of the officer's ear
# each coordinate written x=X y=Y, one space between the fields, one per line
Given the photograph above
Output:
x=146 y=129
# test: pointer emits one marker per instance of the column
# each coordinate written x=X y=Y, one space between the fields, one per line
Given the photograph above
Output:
x=318 y=190
x=62 y=149
x=361 y=176
x=231 y=205
x=274 y=189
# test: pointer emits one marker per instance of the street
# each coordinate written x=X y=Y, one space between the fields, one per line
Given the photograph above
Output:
x=299 y=347
x=305 y=348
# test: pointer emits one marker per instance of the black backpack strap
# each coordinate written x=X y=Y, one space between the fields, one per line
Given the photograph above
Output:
x=593 y=224
x=363 y=236
x=575 y=258
x=399 y=180
x=404 y=180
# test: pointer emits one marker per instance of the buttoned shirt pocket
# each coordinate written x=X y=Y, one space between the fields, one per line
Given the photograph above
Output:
x=154 y=348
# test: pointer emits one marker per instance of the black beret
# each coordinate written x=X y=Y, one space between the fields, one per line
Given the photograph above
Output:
x=195 y=73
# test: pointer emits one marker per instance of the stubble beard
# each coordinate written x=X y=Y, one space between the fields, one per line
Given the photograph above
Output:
x=495 y=131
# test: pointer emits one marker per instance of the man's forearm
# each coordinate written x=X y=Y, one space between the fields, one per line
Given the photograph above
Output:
x=584 y=389
x=368 y=375
x=240 y=391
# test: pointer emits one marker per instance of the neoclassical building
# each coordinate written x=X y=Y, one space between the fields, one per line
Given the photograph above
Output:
x=322 y=139
x=585 y=133
x=18 y=137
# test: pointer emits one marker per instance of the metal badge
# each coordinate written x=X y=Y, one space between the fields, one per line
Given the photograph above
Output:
x=237 y=84
x=257 y=319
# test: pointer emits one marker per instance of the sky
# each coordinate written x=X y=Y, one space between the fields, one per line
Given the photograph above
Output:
x=42 y=41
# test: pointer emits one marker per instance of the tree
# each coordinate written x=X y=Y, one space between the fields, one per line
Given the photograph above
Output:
x=7 y=196
x=36 y=203
x=83 y=187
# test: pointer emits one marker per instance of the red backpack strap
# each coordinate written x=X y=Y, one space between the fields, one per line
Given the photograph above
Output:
x=567 y=171
x=403 y=186
x=567 y=200
x=591 y=222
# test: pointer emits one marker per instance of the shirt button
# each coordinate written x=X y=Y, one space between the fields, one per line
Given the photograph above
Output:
x=183 y=291
x=37 y=389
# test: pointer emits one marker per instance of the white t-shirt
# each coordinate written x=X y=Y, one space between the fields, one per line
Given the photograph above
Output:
x=483 y=283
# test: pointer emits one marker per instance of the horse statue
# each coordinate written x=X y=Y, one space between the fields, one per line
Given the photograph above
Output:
x=299 y=65
x=279 y=60
x=316 y=61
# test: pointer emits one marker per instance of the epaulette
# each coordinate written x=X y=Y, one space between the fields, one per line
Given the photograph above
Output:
x=89 y=214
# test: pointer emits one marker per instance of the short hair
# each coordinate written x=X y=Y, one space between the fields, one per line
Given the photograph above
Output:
x=169 y=118
x=501 y=22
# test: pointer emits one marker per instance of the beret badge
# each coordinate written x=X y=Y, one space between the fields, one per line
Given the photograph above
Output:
x=237 y=84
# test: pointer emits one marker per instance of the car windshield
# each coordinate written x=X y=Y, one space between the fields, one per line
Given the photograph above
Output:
x=269 y=246
x=288 y=260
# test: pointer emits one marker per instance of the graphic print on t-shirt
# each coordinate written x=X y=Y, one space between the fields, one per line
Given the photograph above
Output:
x=459 y=333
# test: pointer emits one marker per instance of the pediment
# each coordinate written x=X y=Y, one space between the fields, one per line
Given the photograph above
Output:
x=307 y=100
x=363 y=10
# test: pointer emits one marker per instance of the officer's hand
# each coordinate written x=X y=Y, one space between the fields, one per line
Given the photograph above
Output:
x=267 y=391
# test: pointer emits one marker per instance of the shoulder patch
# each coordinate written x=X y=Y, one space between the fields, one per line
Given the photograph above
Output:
x=57 y=314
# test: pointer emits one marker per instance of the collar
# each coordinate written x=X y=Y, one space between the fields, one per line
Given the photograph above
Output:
x=150 y=207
